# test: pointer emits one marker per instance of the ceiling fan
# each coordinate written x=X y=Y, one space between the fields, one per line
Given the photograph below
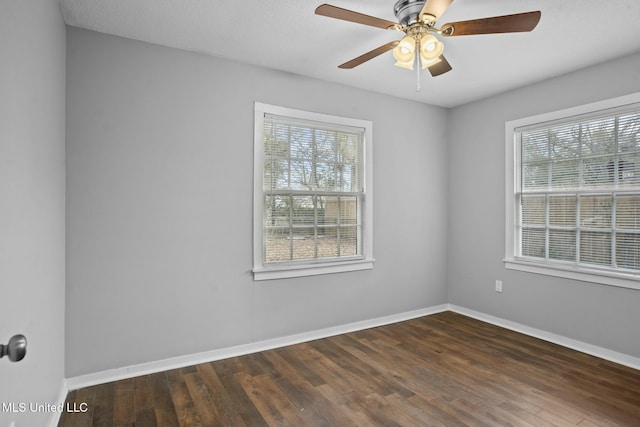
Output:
x=417 y=19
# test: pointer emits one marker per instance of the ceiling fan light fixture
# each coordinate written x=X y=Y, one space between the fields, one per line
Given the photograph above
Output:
x=405 y=49
x=405 y=64
x=430 y=48
x=404 y=53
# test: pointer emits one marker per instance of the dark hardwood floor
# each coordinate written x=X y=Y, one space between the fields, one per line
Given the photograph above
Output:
x=440 y=370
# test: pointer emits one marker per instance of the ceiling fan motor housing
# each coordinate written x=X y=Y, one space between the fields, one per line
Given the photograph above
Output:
x=408 y=11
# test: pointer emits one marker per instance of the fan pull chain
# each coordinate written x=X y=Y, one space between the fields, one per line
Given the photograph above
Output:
x=417 y=73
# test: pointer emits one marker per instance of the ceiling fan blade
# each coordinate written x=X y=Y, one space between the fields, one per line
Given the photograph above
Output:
x=440 y=67
x=369 y=55
x=351 y=16
x=435 y=8
x=519 y=22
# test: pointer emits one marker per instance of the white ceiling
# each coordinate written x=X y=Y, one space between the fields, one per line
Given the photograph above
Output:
x=287 y=35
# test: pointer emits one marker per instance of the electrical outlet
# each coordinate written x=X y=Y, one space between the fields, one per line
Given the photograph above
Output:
x=498 y=285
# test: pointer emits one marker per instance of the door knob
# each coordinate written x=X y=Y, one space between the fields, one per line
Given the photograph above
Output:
x=16 y=349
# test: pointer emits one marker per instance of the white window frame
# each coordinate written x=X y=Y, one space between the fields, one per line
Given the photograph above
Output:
x=569 y=271
x=315 y=267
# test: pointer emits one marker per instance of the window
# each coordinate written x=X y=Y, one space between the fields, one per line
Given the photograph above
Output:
x=312 y=193
x=574 y=193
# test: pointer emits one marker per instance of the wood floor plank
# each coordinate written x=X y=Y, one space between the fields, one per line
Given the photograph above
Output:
x=103 y=405
x=536 y=419
x=444 y=369
x=240 y=405
x=314 y=407
x=350 y=363
x=291 y=355
x=222 y=402
x=202 y=401
x=143 y=401
x=182 y=401
x=392 y=410
x=343 y=404
x=123 y=406
x=164 y=408
x=274 y=406
x=143 y=393
x=146 y=417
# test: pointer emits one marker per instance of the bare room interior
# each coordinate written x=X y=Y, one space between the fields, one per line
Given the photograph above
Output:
x=470 y=255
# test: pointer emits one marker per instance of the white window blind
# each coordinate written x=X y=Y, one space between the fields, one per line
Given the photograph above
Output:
x=312 y=204
x=577 y=190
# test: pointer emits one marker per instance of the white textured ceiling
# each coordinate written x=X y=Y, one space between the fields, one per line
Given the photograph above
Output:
x=287 y=35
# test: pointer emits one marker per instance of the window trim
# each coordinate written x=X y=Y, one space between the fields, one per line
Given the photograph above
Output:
x=568 y=271
x=314 y=267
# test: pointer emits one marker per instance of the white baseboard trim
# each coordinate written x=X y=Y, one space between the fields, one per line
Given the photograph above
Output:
x=593 y=350
x=110 y=375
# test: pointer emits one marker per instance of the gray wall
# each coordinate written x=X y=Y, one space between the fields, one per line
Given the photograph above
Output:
x=32 y=207
x=159 y=175
x=599 y=315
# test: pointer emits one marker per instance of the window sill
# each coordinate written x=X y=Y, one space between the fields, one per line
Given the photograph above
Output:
x=585 y=274
x=301 y=270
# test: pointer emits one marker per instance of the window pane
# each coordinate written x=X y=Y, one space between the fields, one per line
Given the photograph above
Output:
x=329 y=208
x=629 y=132
x=349 y=148
x=349 y=241
x=276 y=140
x=595 y=247
x=300 y=142
x=347 y=177
x=629 y=170
x=300 y=175
x=276 y=211
x=562 y=211
x=535 y=145
x=562 y=245
x=595 y=211
x=302 y=211
x=326 y=146
x=348 y=210
x=535 y=176
x=332 y=210
x=533 y=242
x=328 y=243
x=564 y=141
x=304 y=244
x=349 y=171
x=598 y=172
x=277 y=244
x=564 y=174
x=276 y=174
x=533 y=210
x=599 y=137
x=628 y=212
x=628 y=250
x=324 y=176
